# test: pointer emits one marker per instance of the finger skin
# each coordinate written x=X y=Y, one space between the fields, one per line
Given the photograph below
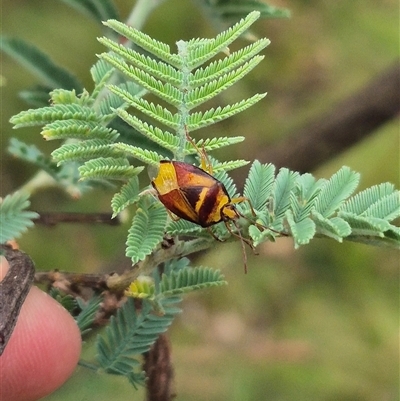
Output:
x=43 y=350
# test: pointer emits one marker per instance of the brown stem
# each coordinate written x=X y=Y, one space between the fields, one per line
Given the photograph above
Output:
x=159 y=371
x=51 y=219
x=350 y=121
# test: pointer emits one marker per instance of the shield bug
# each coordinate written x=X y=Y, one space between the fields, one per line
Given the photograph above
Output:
x=192 y=194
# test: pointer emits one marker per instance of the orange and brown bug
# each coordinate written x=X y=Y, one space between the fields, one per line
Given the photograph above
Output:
x=195 y=195
x=192 y=194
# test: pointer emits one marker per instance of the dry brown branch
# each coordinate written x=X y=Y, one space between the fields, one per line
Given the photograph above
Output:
x=350 y=121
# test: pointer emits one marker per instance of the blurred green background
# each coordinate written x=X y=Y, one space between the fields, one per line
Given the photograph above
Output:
x=319 y=323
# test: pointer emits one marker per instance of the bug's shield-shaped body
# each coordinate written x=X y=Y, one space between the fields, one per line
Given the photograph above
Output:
x=191 y=193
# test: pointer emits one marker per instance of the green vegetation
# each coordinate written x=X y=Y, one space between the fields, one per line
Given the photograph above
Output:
x=319 y=323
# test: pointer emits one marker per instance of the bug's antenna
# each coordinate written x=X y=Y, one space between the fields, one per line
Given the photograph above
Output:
x=242 y=242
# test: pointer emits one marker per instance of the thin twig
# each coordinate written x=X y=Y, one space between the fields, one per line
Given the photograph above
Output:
x=51 y=219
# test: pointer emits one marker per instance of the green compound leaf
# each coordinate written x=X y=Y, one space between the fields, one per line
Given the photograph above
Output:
x=335 y=228
x=157 y=68
x=109 y=168
x=183 y=227
x=155 y=47
x=14 y=219
x=365 y=225
x=387 y=208
x=80 y=151
x=210 y=144
x=88 y=313
x=259 y=184
x=146 y=231
x=190 y=279
x=71 y=128
x=146 y=156
x=219 y=68
x=128 y=195
x=131 y=333
x=360 y=202
x=210 y=48
x=165 y=139
x=303 y=231
x=47 y=115
x=339 y=187
x=284 y=184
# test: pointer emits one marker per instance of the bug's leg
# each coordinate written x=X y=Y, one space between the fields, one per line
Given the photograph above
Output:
x=205 y=161
x=253 y=212
x=242 y=242
x=213 y=235
x=241 y=199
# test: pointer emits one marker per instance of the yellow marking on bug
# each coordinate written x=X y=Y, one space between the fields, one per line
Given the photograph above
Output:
x=166 y=180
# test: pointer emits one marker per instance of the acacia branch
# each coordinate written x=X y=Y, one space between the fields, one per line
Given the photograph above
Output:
x=51 y=219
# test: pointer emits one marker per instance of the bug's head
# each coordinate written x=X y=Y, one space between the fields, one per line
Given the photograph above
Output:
x=229 y=212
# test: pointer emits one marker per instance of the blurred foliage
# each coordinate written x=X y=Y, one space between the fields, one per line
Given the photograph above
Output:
x=321 y=322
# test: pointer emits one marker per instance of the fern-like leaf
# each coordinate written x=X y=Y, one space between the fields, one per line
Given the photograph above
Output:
x=259 y=184
x=335 y=228
x=190 y=279
x=47 y=115
x=221 y=67
x=128 y=195
x=165 y=91
x=284 y=184
x=339 y=187
x=230 y=186
x=113 y=101
x=146 y=231
x=101 y=72
x=199 y=95
x=158 y=69
x=156 y=112
x=163 y=138
x=159 y=49
x=132 y=333
x=365 y=225
x=203 y=119
x=360 y=202
x=71 y=128
x=183 y=227
x=210 y=144
x=387 y=208
x=88 y=312
x=200 y=54
x=302 y=231
x=146 y=156
x=14 y=218
x=228 y=166
x=90 y=149
x=108 y=168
